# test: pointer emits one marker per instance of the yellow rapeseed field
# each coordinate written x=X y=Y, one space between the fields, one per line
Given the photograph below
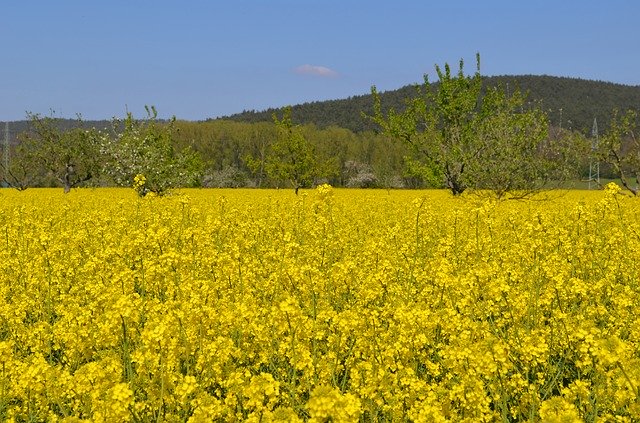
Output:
x=334 y=305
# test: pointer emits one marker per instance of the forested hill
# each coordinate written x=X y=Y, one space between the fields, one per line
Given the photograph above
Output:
x=569 y=102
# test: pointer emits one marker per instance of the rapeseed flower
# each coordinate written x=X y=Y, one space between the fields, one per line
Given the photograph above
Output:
x=245 y=305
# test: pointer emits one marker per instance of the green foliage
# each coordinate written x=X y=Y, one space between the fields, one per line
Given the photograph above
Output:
x=512 y=140
x=147 y=148
x=620 y=148
x=485 y=140
x=22 y=171
x=235 y=153
x=70 y=158
x=257 y=165
x=429 y=175
x=439 y=126
x=291 y=157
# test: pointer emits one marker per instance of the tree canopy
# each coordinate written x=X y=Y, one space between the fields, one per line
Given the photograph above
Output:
x=619 y=147
x=144 y=155
x=473 y=138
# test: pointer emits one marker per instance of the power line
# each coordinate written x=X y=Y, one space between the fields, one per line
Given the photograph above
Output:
x=5 y=156
x=594 y=164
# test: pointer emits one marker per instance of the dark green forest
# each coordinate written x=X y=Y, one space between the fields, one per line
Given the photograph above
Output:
x=345 y=144
x=571 y=103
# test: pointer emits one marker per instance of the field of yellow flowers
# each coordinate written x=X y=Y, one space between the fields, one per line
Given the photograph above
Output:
x=334 y=305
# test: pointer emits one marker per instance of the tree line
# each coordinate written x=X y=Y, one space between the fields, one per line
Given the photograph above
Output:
x=457 y=133
x=221 y=154
x=48 y=154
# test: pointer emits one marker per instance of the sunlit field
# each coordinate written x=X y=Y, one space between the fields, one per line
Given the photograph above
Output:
x=333 y=305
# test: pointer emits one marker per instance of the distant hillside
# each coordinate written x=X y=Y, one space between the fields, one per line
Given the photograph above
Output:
x=570 y=103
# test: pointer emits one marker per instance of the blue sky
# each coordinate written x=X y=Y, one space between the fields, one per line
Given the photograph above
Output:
x=201 y=59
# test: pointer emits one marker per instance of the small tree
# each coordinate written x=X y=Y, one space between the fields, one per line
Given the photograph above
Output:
x=620 y=148
x=145 y=149
x=22 y=171
x=290 y=157
x=512 y=154
x=469 y=138
x=71 y=157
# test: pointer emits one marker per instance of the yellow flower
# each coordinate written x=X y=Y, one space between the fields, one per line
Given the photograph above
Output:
x=557 y=410
x=138 y=181
x=254 y=305
x=328 y=403
x=612 y=188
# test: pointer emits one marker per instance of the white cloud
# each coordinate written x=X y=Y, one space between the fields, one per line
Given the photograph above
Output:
x=315 y=71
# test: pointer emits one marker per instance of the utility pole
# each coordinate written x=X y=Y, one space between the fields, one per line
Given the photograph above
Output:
x=5 y=157
x=594 y=165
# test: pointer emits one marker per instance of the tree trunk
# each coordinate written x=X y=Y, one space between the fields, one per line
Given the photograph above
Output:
x=453 y=181
x=623 y=179
x=68 y=174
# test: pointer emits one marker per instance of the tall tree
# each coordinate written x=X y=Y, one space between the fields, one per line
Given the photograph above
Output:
x=439 y=126
x=291 y=156
x=468 y=137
